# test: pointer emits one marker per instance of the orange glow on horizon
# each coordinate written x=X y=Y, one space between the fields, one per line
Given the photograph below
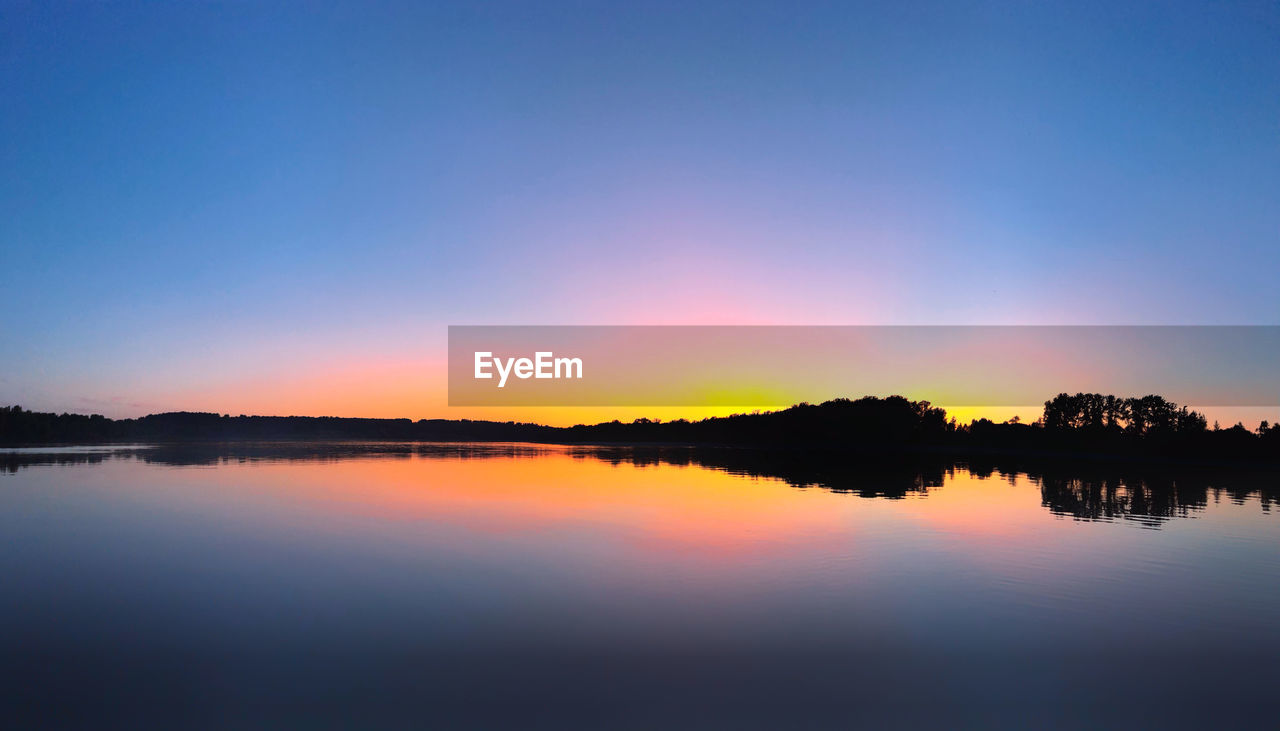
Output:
x=417 y=389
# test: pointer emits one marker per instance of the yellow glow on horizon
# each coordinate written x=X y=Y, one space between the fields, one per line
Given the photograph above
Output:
x=414 y=390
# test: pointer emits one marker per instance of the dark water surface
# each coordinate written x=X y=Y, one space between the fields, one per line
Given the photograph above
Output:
x=476 y=586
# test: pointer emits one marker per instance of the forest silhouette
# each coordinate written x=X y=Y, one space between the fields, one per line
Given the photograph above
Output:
x=1107 y=425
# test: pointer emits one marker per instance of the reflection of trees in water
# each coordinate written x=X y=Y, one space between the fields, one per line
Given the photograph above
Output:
x=862 y=477
x=215 y=454
x=11 y=462
x=246 y=452
x=1116 y=497
x=1147 y=493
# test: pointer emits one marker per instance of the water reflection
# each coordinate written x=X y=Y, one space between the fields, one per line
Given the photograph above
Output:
x=1146 y=493
x=518 y=585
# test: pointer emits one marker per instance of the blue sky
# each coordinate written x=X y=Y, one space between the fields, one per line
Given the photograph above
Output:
x=197 y=198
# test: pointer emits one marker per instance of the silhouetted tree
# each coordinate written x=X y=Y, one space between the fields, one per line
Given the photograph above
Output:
x=1148 y=426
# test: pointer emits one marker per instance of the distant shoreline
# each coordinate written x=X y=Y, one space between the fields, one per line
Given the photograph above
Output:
x=951 y=453
x=1082 y=426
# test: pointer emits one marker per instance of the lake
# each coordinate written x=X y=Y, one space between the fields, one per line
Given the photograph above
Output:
x=511 y=585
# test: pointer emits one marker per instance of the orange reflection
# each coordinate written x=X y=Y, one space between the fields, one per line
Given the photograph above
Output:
x=666 y=506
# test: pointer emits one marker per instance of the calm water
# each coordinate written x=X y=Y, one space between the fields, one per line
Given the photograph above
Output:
x=524 y=586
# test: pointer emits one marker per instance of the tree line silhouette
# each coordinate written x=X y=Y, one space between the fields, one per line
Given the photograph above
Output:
x=1096 y=412
x=1149 y=426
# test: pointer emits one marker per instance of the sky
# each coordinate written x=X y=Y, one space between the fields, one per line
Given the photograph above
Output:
x=279 y=208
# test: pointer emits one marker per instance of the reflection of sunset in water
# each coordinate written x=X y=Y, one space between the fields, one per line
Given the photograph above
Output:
x=531 y=492
x=434 y=574
x=659 y=506
x=978 y=509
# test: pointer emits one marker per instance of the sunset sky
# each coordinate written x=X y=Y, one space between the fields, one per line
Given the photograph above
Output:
x=279 y=208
